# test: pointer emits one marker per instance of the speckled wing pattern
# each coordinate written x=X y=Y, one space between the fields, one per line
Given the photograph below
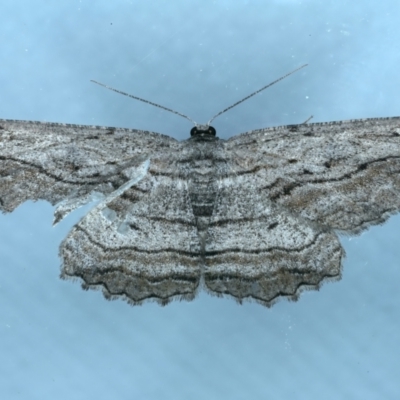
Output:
x=289 y=189
x=253 y=217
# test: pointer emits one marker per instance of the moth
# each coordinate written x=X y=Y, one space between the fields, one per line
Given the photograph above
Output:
x=255 y=217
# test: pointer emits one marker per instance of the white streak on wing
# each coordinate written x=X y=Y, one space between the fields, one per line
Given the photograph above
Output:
x=137 y=175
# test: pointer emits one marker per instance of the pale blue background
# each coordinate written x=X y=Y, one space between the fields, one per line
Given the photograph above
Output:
x=59 y=342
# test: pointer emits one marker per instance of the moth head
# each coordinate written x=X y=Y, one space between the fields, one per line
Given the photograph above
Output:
x=203 y=130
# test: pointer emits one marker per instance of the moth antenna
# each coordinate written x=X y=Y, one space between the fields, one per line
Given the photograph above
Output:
x=308 y=119
x=254 y=93
x=145 y=101
x=215 y=116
